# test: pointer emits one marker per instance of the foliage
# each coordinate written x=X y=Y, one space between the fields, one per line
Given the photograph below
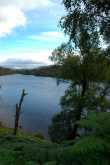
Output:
x=98 y=123
x=90 y=150
x=58 y=131
x=39 y=135
x=86 y=20
x=89 y=68
x=94 y=147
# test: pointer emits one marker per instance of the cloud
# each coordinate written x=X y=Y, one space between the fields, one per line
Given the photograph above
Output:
x=19 y=64
x=52 y=36
x=10 y=17
x=13 y=13
x=27 y=4
x=26 y=59
x=34 y=4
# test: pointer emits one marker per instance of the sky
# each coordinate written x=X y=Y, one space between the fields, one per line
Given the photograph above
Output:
x=29 y=31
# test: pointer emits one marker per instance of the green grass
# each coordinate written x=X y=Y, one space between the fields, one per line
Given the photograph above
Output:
x=25 y=149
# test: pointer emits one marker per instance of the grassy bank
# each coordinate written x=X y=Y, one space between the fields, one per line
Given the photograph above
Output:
x=25 y=149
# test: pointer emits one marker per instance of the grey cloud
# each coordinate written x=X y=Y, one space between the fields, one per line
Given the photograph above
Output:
x=20 y=64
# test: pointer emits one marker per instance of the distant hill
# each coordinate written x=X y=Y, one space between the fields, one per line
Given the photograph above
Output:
x=48 y=71
x=6 y=71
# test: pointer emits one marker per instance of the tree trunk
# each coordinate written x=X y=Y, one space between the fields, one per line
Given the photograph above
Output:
x=74 y=133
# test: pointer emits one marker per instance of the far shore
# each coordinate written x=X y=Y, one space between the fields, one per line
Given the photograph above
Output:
x=45 y=71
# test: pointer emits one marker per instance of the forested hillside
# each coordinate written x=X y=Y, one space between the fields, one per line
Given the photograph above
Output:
x=6 y=71
x=48 y=71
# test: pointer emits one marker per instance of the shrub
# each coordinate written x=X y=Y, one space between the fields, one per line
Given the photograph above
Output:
x=39 y=135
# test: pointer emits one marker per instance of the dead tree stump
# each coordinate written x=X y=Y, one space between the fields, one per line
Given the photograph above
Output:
x=18 y=112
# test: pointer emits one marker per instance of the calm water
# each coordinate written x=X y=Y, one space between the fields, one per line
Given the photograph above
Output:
x=41 y=103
